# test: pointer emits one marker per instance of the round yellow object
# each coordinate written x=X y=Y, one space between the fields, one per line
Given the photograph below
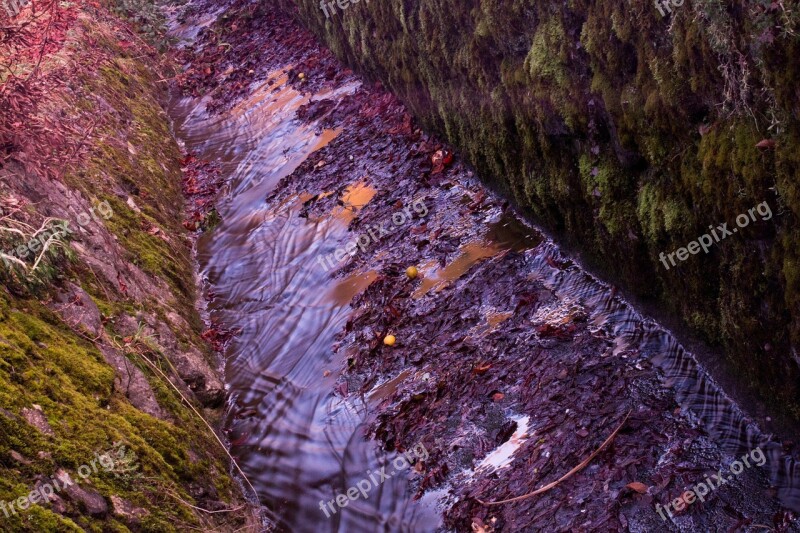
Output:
x=389 y=340
x=302 y=76
x=412 y=272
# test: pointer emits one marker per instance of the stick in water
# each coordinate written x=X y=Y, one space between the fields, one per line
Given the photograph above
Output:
x=568 y=474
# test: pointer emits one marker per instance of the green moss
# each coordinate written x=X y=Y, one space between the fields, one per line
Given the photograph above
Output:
x=43 y=362
x=545 y=60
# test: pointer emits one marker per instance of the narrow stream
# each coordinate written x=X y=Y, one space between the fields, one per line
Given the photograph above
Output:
x=298 y=441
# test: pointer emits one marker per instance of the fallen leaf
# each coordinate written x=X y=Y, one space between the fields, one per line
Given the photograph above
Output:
x=641 y=488
x=766 y=143
x=479 y=527
x=481 y=369
x=441 y=159
x=447 y=158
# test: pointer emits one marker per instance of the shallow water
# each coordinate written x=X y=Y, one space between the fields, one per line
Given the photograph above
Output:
x=298 y=443
x=301 y=444
x=695 y=390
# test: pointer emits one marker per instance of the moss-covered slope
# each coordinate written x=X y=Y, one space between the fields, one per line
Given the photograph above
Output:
x=627 y=133
x=95 y=341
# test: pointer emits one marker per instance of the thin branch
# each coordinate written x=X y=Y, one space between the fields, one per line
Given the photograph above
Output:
x=568 y=474
x=46 y=247
x=184 y=502
x=222 y=444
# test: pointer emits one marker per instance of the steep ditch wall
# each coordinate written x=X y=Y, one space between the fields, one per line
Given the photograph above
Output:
x=627 y=133
x=96 y=338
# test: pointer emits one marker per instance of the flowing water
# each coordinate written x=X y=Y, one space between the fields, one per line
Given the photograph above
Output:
x=298 y=442
x=301 y=444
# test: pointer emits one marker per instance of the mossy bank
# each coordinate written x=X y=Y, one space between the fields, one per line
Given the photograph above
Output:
x=626 y=133
x=100 y=343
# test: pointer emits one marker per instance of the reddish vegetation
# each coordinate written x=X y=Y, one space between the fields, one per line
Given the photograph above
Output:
x=44 y=144
x=201 y=181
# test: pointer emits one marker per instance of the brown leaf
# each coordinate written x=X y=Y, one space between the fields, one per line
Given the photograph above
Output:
x=437 y=160
x=641 y=488
x=481 y=368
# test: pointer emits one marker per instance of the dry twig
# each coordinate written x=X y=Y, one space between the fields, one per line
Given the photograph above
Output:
x=569 y=474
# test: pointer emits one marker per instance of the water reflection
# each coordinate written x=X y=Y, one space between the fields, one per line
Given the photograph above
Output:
x=299 y=443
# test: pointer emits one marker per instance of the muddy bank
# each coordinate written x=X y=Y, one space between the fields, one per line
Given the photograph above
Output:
x=102 y=346
x=510 y=364
x=626 y=132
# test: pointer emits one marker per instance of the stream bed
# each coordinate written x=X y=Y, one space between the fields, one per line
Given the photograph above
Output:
x=511 y=363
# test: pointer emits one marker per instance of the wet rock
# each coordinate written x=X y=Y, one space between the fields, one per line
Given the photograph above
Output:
x=132 y=382
x=178 y=322
x=166 y=338
x=78 y=310
x=126 y=511
x=35 y=417
x=203 y=491
x=200 y=378
x=126 y=325
x=57 y=504
x=90 y=501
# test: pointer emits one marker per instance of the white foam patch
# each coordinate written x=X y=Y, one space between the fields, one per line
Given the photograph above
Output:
x=502 y=456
